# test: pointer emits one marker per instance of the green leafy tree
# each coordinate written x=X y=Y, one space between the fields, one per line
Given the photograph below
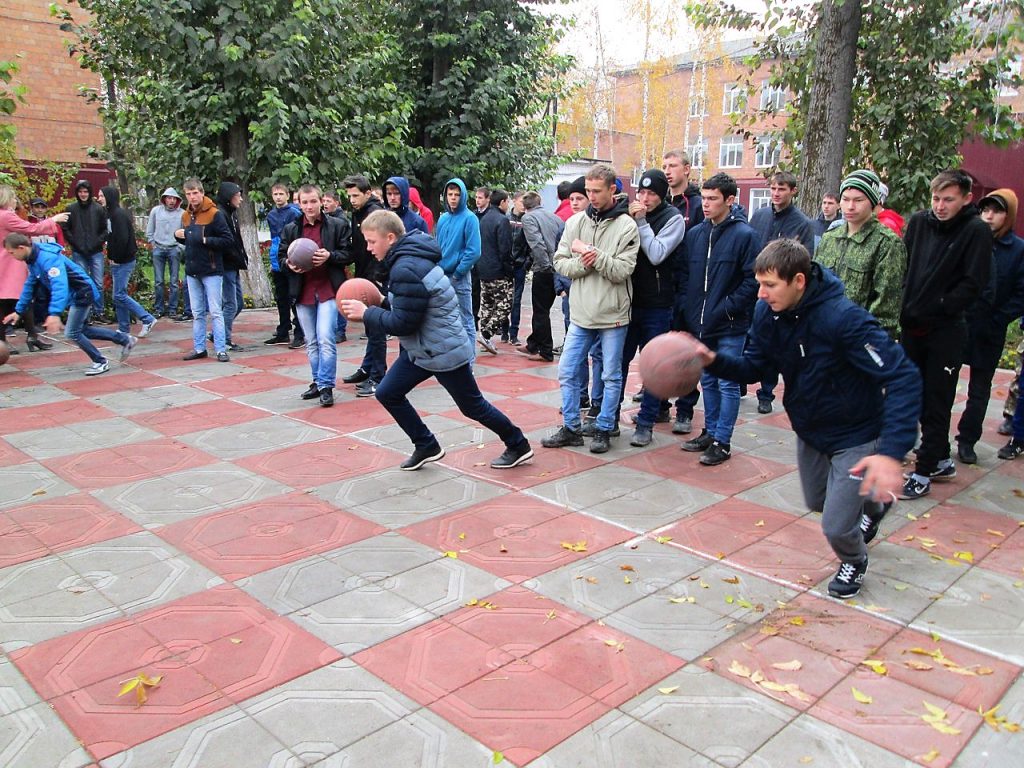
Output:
x=248 y=91
x=485 y=78
x=927 y=76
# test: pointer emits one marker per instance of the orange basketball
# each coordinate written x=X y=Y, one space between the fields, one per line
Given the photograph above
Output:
x=670 y=365
x=360 y=289
x=5 y=352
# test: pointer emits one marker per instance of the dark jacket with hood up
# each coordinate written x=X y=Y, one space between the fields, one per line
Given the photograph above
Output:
x=412 y=220
x=366 y=265
x=235 y=258
x=689 y=204
x=121 y=245
x=495 y=260
x=86 y=228
x=847 y=382
x=717 y=288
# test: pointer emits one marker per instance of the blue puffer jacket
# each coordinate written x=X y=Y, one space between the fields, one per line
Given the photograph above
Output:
x=411 y=219
x=277 y=220
x=716 y=286
x=424 y=312
x=847 y=382
x=68 y=282
x=458 y=234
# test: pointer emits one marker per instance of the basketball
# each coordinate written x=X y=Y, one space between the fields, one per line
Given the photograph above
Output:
x=360 y=289
x=5 y=352
x=300 y=253
x=670 y=366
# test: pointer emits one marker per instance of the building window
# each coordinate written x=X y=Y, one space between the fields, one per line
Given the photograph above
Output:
x=734 y=99
x=759 y=198
x=698 y=107
x=773 y=97
x=730 y=153
x=697 y=152
x=768 y=152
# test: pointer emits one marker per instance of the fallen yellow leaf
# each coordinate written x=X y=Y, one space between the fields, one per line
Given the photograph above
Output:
x=670 y=689
x=591 y=580
x=235 y=640
x=797 y=621
x=462 y=537
x=876 y=666
x=498 y=757
x=452 y=554
x=738 y=669
x=994 y=532
x=678 y=600
x=967 y=557
x=918 y=665
x=731 y=579
x=930 y=756
x=806 y=759
x=663 y=539
x=579 y=546
x=759 y=524
x=862 y=697
x=788 y=666
x=627 y=568
x=627 y=580
x=503 y=548
x=139 y=683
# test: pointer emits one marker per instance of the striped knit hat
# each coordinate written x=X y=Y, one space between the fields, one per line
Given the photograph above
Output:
x=864 y=181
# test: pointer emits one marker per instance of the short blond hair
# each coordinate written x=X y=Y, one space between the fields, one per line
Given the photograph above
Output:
x=8 y=198
x=385 y=223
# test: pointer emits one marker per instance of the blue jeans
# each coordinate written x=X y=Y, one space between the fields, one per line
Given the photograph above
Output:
x=232 y=303
x=166 y=259
x=578 y=342
x=644 y=325
x=402 y=378
x=590 y=374
x=319 y=324
x=464 y=293
x=93 y=265
x=205 y=294
x=721 y=397
x=77 y=331
x=124 y=305
x=518 y=284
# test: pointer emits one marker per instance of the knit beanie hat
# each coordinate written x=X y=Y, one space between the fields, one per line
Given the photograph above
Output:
x=579 y=186
x=864 y=181
x=655 y=181
x=1007 y=200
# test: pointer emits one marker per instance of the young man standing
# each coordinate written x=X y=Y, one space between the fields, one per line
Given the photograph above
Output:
x=495 y=270
x=86 y=232
x=71 y=289
x=949 y=256
x=163 y=220
x=121 y=250
x=542 y=231
x=827 y=216
x=206 y=236
x=423 y=310
x=564 y=210
x=598 y=252
x=520 y=265
x=229 y=198
x=314 y=290
x=989 y=317
x=868 y=257
x=278 y=217
x=684 y=194
x=458 y=235
x=396 y=195
x=851 y=394
x=716 y=295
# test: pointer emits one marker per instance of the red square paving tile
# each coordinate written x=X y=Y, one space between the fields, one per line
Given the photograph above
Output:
x=184 y=419
x=736 y=475
x=14 y=378
x=57 y=525
x=326 y=461
x=164 y=359
x=11 y=456
x=513 y=384
x=1008 y=556
x=796 y=553
x=546 y=465
x=893 y=719
x=246 y=383
x=512 y=361
x=818 y=672
x=361 y=413
x=526 y=415
x=1013 y=468
x=727 y=527
x=523 y=714
x=129 y=463
x=950 y=529
x=280 y=357
x=431 y=661
x=53 y=359
x=984 y=688
x=604 y=663
x=246 y=540
x=50 y=415
x=120 y=382
x=189 y=622
x=778 y=419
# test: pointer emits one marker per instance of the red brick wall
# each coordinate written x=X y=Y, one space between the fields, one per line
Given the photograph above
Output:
x=55 y=123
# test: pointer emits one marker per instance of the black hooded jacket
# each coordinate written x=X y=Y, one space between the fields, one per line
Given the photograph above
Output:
x=121 y=245
x=86 y=228
x=235 y=258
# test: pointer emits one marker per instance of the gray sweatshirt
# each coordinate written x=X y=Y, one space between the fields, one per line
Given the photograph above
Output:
x=161 y=226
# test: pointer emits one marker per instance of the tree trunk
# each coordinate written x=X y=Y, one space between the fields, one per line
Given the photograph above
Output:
x=830 y=101
x=255 y=282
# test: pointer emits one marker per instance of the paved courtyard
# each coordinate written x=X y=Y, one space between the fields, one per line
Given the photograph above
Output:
x=304 y=602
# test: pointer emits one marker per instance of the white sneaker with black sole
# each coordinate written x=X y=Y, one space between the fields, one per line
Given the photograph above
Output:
x=423 y=456
x=97 y=368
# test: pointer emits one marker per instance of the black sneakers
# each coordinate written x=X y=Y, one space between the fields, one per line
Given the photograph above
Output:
x=326 y=397
x=563 y=438
x=965 y=452
x=590 y=429
x=1011 y=450
x=423 y=456
x=600 y=441
x=641 y=436
x=716 y=453
x=699 y=444
x=915 y=489
x=358 y=377
x=312 y=393
x=682 y=425
x=764 y=406
x=869 y=523
x=513 y=457
x=848 y=579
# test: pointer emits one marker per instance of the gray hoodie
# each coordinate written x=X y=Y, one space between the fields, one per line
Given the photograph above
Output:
x=164 y=220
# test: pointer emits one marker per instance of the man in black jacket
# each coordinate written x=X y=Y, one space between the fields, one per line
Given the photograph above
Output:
x=229 y=198
x=121 y=250
x=949 y=256
x=86 y=232
x=313 y=290
x=521 y=262
x=494 y=269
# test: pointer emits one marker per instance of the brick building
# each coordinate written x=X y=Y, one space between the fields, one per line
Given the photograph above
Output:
x=55 y=124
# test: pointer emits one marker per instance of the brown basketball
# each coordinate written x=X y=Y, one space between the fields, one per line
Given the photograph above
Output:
x=5 y=352
x=360 y=289
x=670 y=365
x=300 y=253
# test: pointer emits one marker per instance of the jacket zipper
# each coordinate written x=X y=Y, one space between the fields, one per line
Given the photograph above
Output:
x=704 y=303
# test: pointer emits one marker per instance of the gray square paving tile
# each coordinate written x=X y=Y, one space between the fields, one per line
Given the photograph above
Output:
x=987 y=747
x=394 y=498
x=444 y=585
x=420 y=740
x=25 y=483
x=39 y=394
x=225 y=739
x=33 y=578
x=618 y=740
x=15 y=691
x=766 y=442
x=380 y=557
x=259 y=436
x=188 y=494
x=297 y=585
x=278 y=401
x=551 y=398
x=152 y=399
x=200 y=370
x=76 y=438
x=783 y=493
x=435 y=399
x=592 y=487
x=34 y=736
x=654 y=506
x=994 y=492
x=156 y=583
x=809 y=741
x=982 y=610
x=450 y=433
x=696 y=714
